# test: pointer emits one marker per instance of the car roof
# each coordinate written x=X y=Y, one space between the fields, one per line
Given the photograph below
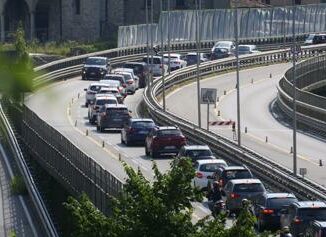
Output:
x=104 y=96
x=320 y=223
x=194 y=54
x=154 y=56
x=310 y=204
x=210 y=161
x=280 y=195
x=96 y=84
x=109 y=88
x=97 y=57
x=112 y=75
x=235 y=168
x=196 y=147
x=248 y=45
x=245 y=181
x=115 y=106
x=141 y=120
x=172 y=54
x=136 y=63
x=123 y=69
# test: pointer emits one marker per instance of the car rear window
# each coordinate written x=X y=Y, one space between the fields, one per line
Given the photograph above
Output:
x=115 y=78
x=106 y=101
x=169 y=132
x=95 y=88
x=143 y=124
x=95 y=61
x=313 y=213
x=244 y=48
x=137 y=68
x=196 y=153
x=237 y=174
x=278 y=203
x=155 y=60
x=248 y=187
x=212 y=167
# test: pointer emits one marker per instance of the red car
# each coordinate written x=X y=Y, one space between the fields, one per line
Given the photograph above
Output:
x=164 y=140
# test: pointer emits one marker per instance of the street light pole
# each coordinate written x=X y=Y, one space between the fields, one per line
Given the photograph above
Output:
x=147 y=39
x=198 y=61
x=162 y=45
x=152 y=45
x=294 y=94
x=169 y=38
x=238 y=72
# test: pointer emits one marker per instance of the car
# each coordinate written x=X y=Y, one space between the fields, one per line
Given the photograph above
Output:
x=224 y=44
x=298 y=215
x=247 y=49
x=316 y=229
x=140 y=69
x=92 y=90
x=112 y=117
x=132 y=74
x=176 y=61
x=219 y=53
x=115 y=77
x=95 y=68
x=136 y=130
x=196 y=152
x=204 y=171
x=315 y=39
x=100 y=100
x=238 y=189
x=130 y=82
x=224 y=174
x=156 y=66
x=112 y=91
x=164 y=140
x=268 y=208
x=191 y=58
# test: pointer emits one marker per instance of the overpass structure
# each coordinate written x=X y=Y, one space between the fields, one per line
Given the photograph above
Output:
x=80 y=169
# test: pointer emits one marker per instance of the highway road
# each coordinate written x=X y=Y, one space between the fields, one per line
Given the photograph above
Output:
x=257 y=114
x=58 y=104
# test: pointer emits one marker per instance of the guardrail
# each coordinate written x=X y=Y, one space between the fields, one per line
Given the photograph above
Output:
x=36 y=198
x=274 y=174
x=311 y=108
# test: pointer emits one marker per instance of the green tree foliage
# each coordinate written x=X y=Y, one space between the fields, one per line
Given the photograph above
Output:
x=161 y=208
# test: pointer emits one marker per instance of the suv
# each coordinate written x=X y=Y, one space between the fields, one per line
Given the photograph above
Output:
x=238 y=189
x=100 y=100
x=112 y=116
x=267 y=209
x=225 y=174
x=196 y=152
x=164 y=140
x=95 y=68
x=204 y=171
x=111 y=91
x=176 y=61
x=115 y=77
x=91 y=92
x=224 y=44
x=129 y=71
x=219 y=53
x=140 y=70
x=156 y=66
x=136 y=130
x=299 y=214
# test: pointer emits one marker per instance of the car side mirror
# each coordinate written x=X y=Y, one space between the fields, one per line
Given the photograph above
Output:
x=85 y=89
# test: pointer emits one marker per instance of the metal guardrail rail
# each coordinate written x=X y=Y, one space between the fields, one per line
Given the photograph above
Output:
x=271 y=172
x=31 y=186
x=311 y=108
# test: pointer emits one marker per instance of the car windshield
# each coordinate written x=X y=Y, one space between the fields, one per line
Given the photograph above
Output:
x=197 y=153
x=95 y=61
x=211 y=167
x=278 y=203
x=143 y=124
x=220 y=50
x=127 y=76
x=155 y=60
x=244 y=48
x=223 y=45
x=238 y=174
x=310 y=37
x=313 y=213
x=115 y=78
x=169 y=132
x=137 y=68
x=248 y=187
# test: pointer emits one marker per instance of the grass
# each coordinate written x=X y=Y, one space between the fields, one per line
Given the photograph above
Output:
x=18 y=186
x=63 y=48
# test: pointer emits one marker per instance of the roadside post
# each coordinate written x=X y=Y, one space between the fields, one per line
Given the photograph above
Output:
x=208 y=96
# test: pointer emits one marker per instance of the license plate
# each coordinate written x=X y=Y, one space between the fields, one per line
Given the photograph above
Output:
x=116 y=119
x=92 y=73
x=170 y=147
x=142 y=132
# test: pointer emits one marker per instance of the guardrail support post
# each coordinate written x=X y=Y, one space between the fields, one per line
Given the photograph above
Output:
x=246 y=129
x=320 y=162
x=76 y=123
x=86 y=133
x=266 y=139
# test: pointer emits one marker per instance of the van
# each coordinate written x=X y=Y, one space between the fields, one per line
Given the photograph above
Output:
x=155 y=65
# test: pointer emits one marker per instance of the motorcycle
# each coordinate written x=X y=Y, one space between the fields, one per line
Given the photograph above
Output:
x=219 y=207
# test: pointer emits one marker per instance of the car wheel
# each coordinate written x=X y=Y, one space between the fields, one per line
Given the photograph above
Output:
x=126 y=142
x=122 y=141
x=146 y=151
x=101 y=129
x=154 y=154
x=86 y=104
x=260 y=226
x=98 y=128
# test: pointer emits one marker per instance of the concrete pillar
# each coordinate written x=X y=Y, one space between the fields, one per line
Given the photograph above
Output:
x=2 y=19
x=32 y=24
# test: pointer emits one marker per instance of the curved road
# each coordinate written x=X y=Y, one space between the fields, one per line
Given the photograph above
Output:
x=257 y=95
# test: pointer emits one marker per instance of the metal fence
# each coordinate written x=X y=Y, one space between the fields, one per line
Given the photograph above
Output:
x=63 y=160
x=218 y=24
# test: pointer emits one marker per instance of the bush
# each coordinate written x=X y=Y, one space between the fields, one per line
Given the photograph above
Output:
x=18 y=186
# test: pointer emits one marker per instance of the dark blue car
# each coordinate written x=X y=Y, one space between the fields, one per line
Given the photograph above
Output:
x=136 y=130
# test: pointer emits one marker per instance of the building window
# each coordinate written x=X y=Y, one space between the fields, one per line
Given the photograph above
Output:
x=77 y=7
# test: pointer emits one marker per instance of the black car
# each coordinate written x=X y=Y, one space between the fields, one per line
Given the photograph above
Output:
x=220 y=53
x=140 y=69
x=95 y=68
x=196 y=152
x=136 y=130
x=268 y=208
x=224 y=174
x=316 y=228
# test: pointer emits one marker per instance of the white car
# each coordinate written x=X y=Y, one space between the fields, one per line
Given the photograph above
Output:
x=92 y=90
x=156 y=66
x=176 y=61
x=121 y=83
x=247 y=49
x=224 y=44
x=100 y=100
x=131 y=71
x=130 y=82
x=205 y=170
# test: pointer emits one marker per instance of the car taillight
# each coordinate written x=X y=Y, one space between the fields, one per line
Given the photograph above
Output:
x=221 y=182
x=296 y=220
x=124 y=85
x=267 y=211
x=234 y=195
x=130 y=82
x=199 y=175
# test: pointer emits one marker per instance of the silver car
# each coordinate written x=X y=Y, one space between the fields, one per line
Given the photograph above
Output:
x=156 y=66
x=133 y=75
x=238 y=189
x=91 y=92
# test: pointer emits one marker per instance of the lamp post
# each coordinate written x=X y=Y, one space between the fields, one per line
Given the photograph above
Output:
x=294 y=93
x=147 y=38
x=162 y=45
x=198 y=8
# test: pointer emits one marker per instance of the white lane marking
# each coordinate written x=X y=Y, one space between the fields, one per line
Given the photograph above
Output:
x=22 y=201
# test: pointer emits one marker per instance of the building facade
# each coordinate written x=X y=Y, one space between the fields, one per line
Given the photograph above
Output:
x=88 y=20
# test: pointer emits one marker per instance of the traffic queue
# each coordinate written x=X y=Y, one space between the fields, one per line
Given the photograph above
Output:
x=226 y=185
